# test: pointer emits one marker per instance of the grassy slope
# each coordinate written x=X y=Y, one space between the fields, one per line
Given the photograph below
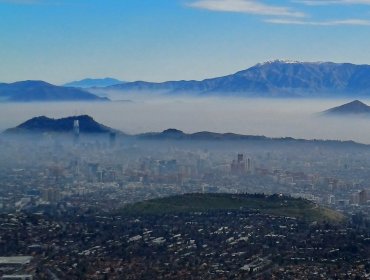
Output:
x=280 y=206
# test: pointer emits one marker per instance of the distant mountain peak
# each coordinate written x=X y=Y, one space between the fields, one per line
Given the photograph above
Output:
x=355 y=107
x=94 y=82
x=285 y=61
x=288 y=61
x=172 y=131
x=31 y=90
x=356 y=103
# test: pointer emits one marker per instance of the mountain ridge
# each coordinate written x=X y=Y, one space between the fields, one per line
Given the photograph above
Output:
x=43 y=124
x=178 y=135
x=272 y=79
x=353 y=108
x=31 y=90
x=94 y=82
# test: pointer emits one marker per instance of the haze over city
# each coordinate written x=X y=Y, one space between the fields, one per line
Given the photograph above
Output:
x=184 y=139
x=272 y=118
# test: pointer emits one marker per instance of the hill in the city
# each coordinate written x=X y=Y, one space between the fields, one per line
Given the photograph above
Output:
x=268 y=204
x=44 y=124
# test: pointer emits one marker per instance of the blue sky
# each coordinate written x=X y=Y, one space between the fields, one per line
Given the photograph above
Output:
x=156 y=40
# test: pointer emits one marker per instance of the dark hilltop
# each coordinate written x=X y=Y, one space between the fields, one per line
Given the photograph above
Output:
x=44 y=124
x=268 y=204
x=354 y=108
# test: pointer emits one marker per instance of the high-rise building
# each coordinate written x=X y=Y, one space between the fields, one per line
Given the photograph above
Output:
x=240 y=158
x=331 y=199
x=362 y=197
x=51 y=195
x=238 y=166
x=76 y=131
x=249 y=164
x=112 y=139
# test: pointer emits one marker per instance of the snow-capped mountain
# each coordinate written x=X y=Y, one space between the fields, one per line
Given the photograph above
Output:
x=277 y=78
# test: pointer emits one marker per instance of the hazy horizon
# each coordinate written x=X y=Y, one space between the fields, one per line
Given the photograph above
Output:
x=296 y=118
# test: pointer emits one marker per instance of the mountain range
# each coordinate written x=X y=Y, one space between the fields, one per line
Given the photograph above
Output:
x=28 y=91
x=354 y=108
x=88 y=125
x=91 y=83
x=272 y=79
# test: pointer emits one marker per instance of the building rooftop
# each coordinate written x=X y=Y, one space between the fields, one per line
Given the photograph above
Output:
x=21 y=260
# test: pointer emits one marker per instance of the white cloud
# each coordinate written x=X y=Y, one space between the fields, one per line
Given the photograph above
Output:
x=332 y=2
x=246 y=6
x=349 y=22
x=282 y=14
